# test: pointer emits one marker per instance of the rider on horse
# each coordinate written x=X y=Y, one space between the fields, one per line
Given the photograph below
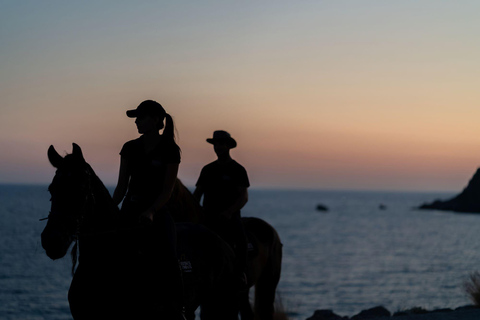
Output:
x=223 y=184
x=148 y=170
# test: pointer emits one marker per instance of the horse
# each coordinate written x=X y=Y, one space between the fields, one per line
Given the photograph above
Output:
x=264 y=256
x=113 y=278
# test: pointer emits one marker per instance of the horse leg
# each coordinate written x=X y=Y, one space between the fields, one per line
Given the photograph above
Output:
x=266 y=286
x=265 y=300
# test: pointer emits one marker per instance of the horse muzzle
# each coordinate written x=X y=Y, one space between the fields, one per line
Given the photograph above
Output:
x=56 y=244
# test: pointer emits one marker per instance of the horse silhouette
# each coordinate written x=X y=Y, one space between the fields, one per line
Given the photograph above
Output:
x=115 y=278
x=264 y=258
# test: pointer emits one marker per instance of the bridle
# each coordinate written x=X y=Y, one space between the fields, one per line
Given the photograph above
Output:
x=89 y=199
x=88 y=207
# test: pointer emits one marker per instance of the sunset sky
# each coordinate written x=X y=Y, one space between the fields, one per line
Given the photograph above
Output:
x=370 y=95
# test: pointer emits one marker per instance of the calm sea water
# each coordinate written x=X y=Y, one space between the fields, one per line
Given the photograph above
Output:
x=353 y=257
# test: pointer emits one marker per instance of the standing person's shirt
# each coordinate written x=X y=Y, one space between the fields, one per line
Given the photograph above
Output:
x=147 y=170
x=221 y=183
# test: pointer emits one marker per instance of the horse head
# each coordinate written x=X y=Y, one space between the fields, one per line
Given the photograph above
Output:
x=70 y=194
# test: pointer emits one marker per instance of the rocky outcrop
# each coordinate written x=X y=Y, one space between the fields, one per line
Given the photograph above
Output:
x=325 y=315
x=467 y=201
x=380 y=313
x=372 y=313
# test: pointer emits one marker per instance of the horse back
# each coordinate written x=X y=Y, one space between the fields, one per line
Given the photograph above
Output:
x=265 y=249
x=260 y=233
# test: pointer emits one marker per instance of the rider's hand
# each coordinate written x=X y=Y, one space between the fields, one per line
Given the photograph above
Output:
x=226 y=215
x=148 y=215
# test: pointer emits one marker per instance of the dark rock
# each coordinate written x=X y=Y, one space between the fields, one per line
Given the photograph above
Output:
x=467 y=307
x=399 y=314
x=372 y=313
x=326 y=315
x=412 y=311
x=442 y=310
x=467 y=201
x=322 y=207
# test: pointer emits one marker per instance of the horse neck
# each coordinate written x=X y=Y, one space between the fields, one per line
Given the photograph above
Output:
x=104 y=213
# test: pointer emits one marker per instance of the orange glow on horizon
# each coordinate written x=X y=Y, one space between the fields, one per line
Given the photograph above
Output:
x=316 y=94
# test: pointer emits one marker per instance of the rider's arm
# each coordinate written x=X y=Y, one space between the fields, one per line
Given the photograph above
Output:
x=122 y=184
x=168 y=184
x=241 y=200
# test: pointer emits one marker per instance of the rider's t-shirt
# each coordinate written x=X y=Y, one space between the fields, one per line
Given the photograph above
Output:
x=147 y=170
x=221 y=183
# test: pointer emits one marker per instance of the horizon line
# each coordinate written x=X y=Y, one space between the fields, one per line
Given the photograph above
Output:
x=263 y=188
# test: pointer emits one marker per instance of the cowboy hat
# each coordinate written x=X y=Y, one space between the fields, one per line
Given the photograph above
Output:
x=221 y=135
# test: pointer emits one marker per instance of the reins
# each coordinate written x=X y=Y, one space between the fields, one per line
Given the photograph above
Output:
x=89 y=199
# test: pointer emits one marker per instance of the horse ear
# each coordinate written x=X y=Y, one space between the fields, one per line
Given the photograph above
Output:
x=77 y=151
x=55 y=159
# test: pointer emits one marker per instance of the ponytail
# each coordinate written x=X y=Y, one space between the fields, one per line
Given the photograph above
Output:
x=169 y=131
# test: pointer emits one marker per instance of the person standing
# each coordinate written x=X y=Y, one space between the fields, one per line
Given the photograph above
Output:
x=148 y=170
x=223 y=185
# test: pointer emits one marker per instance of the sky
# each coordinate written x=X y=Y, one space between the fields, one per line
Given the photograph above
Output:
x=358 y=95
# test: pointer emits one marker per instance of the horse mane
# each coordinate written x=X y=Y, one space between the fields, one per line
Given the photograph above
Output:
x=99 y=186
x=99 y=190
x=106 y=209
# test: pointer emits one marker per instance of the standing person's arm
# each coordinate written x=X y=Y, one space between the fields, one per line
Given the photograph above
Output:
x=168 y=184
x=122 y=184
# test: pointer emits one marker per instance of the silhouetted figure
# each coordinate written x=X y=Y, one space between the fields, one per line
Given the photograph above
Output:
x=148 y=169
x=223 y=184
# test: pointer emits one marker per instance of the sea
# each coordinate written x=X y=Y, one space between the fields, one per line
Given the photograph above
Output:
x=368 y=249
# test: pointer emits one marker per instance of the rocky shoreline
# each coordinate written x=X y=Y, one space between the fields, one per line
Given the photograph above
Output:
x=380 y=313
x=467 y=201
